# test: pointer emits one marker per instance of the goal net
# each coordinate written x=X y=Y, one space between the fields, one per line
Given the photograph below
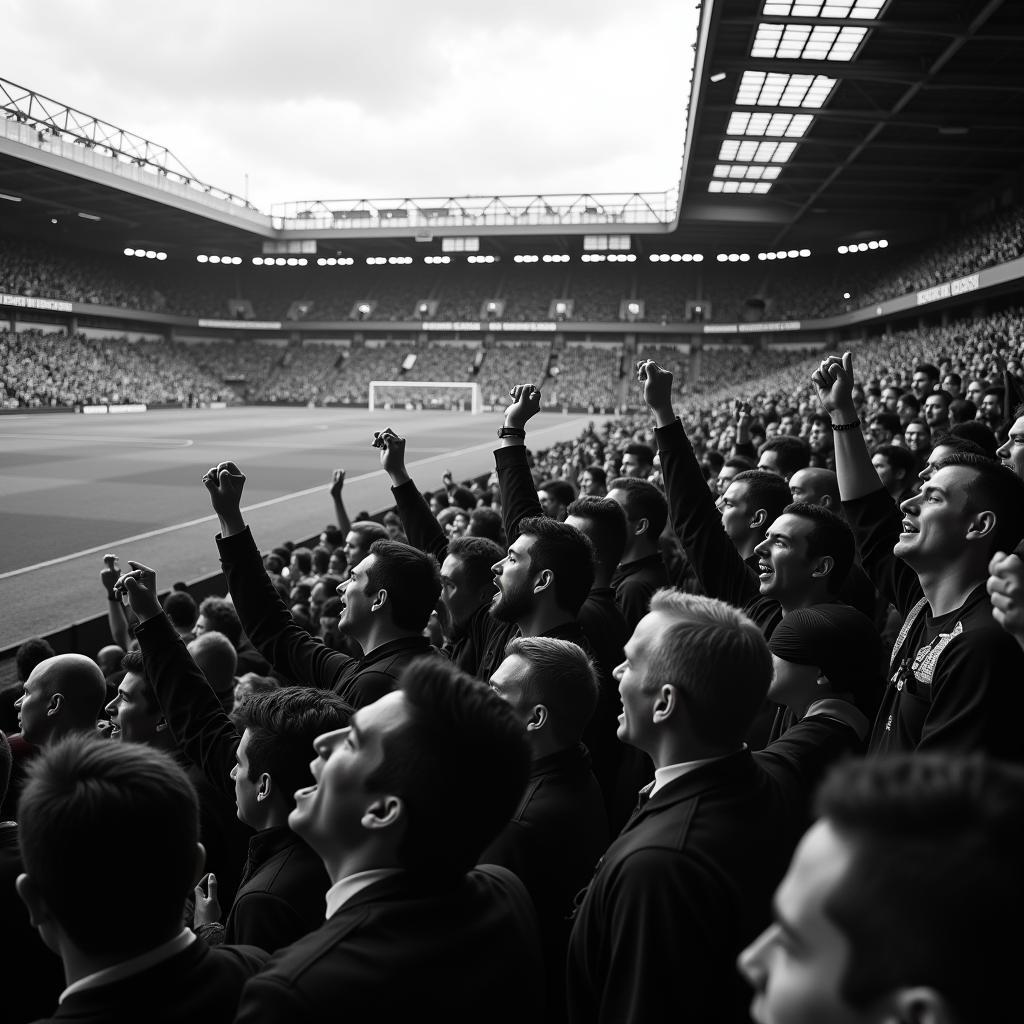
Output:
x=425 y=394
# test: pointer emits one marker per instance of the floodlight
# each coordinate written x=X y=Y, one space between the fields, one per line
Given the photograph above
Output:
x=805 y=252
x=199 y=259
x=744 y=257
x=882 y=243
x=846 y=295
x=129 y=252
x=150 y=254
x=718 y=76
x=257 y=261
x=161 y=255
x=841 y=250
x=698 y=257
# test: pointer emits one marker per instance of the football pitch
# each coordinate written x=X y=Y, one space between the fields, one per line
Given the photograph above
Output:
x=74 y=487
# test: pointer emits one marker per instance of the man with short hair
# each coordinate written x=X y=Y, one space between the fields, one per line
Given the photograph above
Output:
x=91 y=808
x=555 y=497
x=952 y=384
x=183 y=612
x=936 y=411
x=1011 y=452
x=784 y=455
x=886 y=911
x=990 y=412
x=883 y=427
x=405 y=801
x=560 y=828
x=819 y=440
x=953 y=677
x=387 y=602
x=895 y=468
x=638 y=461
x=641 y=570
x=925 y=380
x=975 y=392
x=219 y=615
x=257 y=758
x=214 y=653
x=691 y=874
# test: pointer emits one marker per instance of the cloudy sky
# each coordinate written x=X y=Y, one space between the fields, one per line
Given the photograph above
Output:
x=348 y=99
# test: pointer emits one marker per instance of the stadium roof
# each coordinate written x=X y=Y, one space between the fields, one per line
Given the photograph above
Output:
x=811 y=122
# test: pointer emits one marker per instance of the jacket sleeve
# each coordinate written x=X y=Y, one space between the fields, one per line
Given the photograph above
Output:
x=266 y=620
x=696 y=522
x=193 y=711
x=875 y=520
x=422 y=528
x=515 y=484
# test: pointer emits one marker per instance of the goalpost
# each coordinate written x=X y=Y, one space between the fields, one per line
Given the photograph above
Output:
x=379 y=392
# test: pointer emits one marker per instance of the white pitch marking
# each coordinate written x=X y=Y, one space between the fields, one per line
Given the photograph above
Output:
x=113 y=544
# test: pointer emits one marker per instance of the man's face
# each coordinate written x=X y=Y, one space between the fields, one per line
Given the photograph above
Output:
x=246 y=791
x=784 y=568
x=737 y=511
x=295 y=572
x=886 y=473
x=769 y=462
x=1012 y=453
x=935 y=456
x=789 y=425
x=458 y=596
x=459 y=525
x=936 y=519
x=329 y=814
x=797 y=965
x=991 y=409
x=880 y=434
x=890 y=399
x=820 y=438
x=635 y=723
x=587 y=484
x=337 y=566
x=793 y=685
x=916 y=438
x=513 y=576
x=134 y=715
x=549 y=505
x=725 y=475
x=356 y=599
x=936 y=411
x=353 y=548
x=507 y=682
x=201 y=626
x=905 y=410
x=975 y=392
x=318 y=596
x=803 y=485
x=633 y=465
x=951 y=385
x=921 y=384
x=34 y=703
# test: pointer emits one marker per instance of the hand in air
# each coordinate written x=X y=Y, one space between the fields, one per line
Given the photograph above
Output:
x=225 y=482
x=525 y=405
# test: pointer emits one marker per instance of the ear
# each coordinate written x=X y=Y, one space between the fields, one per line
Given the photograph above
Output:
x=665 y=703
x=825 y=566
x=642 y=526
x=265 y=787
x=38 y=912
x=544 y=580
x=982 y=525
x=826 y=501
x=379 y=601
x=161 y=725
x=539 y=716
x=919 y=1005
x=383 y=813
x=759 y=519
x=56 y=703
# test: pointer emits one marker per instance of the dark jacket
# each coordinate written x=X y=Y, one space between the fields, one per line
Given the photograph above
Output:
x=291 y=650
x=688 y=883
x=281 y=893
x=199 y=985
x=634 y=583
x=552 y=843
x=402 y=951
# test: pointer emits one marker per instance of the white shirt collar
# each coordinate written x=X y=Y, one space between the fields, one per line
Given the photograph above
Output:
x=128 y=968
x=344 y=889
x=671 y=772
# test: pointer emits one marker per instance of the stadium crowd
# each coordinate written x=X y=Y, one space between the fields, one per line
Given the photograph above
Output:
x=669 y=292
x=711 y=711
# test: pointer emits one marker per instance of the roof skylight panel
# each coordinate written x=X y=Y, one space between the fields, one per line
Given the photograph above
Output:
x=758 y=88
x=791 y=126
x=867 y=10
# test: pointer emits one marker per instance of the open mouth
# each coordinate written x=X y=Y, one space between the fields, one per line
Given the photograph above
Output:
x=764 y=570
x=909 y=527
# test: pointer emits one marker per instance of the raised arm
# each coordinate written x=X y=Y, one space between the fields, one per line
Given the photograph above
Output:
x=692 y=511
x=117 y=620
x=193 y=711
x=515 y=481
x=420 y=525
x=873 y=515
x=266 y=620
x=340 y=513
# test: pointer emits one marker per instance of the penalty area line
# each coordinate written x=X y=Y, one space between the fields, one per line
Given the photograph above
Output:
x=280 y=499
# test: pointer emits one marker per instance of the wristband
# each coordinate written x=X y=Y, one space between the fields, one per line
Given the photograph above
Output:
x=511 y=432
x=852 y=425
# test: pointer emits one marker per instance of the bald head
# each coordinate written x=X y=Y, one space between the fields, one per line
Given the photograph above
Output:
x=109 y=658
x=62 y=695
x=815 y=487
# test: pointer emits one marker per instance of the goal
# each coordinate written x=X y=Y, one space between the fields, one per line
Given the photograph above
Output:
x=426 y=394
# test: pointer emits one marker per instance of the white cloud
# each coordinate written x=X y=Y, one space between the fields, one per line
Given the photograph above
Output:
x=319 y=99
